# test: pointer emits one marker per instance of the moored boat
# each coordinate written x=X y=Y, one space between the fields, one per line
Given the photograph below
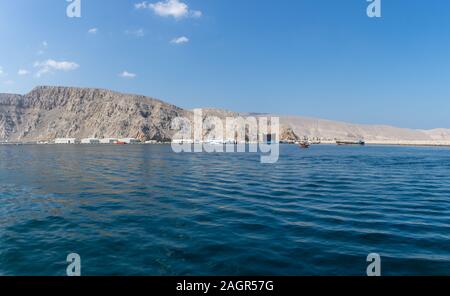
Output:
x=304 y=145
x=360 y=142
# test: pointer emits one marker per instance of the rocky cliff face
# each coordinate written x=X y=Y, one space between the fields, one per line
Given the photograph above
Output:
x=10 y=114
x=47 y=113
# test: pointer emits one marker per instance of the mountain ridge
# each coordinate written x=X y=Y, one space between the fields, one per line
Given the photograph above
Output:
x=49 y=112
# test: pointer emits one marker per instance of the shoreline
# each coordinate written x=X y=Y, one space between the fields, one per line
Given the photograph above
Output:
x=368 y=143
x=411 y=143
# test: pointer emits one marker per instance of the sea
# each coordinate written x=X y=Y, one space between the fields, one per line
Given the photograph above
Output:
x=145 y=210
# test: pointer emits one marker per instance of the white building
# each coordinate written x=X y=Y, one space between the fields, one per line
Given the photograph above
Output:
x=182 y=141
x=214 y=142
x=108 y=141
x=230 y=141
x=90 y=141
x=130 y=141
x=66 y=141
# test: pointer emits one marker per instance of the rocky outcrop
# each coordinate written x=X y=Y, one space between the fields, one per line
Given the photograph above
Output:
x=287 y=134
x=47 y=113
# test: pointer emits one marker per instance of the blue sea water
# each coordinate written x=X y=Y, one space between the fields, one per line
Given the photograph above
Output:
x=144 y=210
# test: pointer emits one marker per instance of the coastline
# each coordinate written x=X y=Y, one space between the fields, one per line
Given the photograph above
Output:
x=400 y=143
x=411 y=143
x=368 y=143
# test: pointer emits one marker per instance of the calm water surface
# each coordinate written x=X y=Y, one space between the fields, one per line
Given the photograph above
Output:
x=143 y=210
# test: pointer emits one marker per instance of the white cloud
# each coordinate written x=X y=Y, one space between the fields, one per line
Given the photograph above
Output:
x=172 y=8
x=42 y=48
x=51 y=65
x=8 y=82
x=126 y=74
x=136 y=33
x=196 y=13
x=93 y=31
x=23 y=72
x=63 y=65
x=2 y=72
x=142 y=5
x=169 y=8
x=180 y=40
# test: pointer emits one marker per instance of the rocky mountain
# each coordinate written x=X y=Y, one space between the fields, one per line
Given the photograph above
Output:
x=50 y=112
x=47 y=113
x=332 y=130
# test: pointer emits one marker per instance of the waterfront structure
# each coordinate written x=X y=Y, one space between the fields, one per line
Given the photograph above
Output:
x=90 y=141
x=214 y=142
x=129 y=141
x=66 y=141
x=182 y=141
x=108 y=141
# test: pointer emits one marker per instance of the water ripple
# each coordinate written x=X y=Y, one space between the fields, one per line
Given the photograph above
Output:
x=143 y=210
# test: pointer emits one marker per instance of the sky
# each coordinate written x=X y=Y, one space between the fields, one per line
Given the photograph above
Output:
x=315 y=58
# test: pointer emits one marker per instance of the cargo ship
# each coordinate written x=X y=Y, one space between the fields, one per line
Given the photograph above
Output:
x=359 y=142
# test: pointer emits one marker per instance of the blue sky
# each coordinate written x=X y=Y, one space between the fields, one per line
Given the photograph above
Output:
x=318 y=58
